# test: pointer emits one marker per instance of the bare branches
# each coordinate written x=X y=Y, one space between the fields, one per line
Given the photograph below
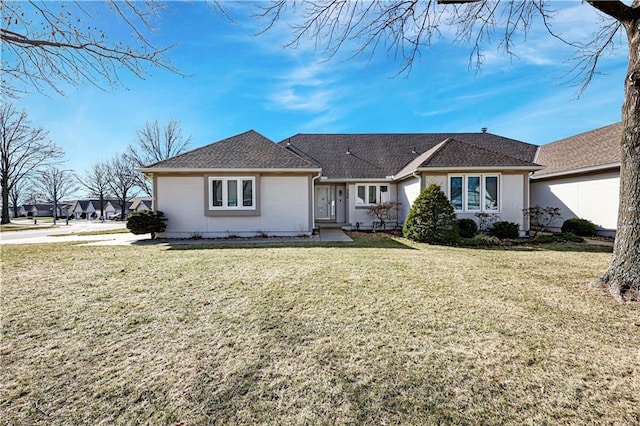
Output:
x=155 y=143
x=402 y=28
x=54 y=184
x=23 y=149
x=122 y=179
x=47 y=43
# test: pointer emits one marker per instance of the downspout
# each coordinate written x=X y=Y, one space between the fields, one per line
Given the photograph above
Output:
x=313 y=200
x=419 y=177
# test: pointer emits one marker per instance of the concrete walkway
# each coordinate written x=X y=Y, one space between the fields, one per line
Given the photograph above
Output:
x=334 y=235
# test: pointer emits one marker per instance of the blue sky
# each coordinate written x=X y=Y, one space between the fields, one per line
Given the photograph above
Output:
x=238 y=81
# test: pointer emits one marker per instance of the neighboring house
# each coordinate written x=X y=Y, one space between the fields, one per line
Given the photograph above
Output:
x=141 y=204
x=90 y=209
x=582 y=177
x=39 y=210
x=247 y=185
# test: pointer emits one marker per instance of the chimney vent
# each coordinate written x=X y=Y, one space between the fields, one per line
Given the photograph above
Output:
x=484 y=130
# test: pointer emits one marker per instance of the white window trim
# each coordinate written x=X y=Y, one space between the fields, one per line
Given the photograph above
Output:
x=225 y=195
x=465 y=198
x=378 y=193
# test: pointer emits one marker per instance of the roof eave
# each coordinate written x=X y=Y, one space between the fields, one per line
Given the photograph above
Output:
x=479 y=168
x=184 y=170
x=581 y=170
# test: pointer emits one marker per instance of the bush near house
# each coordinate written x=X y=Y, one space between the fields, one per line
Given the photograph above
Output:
x=578 y=226
x=541 y=218
x=504 y=229
x=468 y=228
x=432 y=218
x=146 y=221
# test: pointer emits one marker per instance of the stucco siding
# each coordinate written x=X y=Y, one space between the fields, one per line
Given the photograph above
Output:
x=594 y=197
x=284 y=209
x=408 y=191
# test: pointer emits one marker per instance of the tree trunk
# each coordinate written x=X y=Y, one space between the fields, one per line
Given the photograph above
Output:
x=5 y=204
x=623 y=276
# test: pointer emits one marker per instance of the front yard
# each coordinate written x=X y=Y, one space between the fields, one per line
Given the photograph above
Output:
x=381 y=331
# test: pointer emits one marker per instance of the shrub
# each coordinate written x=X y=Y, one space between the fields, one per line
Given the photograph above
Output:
x=504 y=229
x=481 y=240
x=485 y=220
x=540 y=218
x=467 y=228
x=578 y=226
x=146 y=221
x=432 y=219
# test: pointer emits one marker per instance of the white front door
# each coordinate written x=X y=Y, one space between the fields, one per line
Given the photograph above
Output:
x=325 y=202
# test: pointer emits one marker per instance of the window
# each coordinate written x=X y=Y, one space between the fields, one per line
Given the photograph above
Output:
x=473 y=193
x=370 y=195
x=226 y=193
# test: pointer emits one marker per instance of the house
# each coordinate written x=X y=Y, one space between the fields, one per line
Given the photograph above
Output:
x=582 y=177
x=39 y=210
x=139 y=204
x=248 y=185
x=90 y=209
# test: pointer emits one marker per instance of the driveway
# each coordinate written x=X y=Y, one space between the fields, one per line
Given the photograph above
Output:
x=64 y=233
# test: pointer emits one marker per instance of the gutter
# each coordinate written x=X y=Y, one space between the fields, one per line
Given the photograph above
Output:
x=582 y=170
x=153 y=170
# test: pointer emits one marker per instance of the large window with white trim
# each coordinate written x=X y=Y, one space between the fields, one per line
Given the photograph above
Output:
x=371 y=194
x=474 y=193
x=232 y=193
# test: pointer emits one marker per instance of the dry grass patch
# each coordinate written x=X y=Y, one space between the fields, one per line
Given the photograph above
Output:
x=381 y=331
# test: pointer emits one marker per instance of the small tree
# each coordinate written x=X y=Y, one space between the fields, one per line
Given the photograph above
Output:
x=384 y=212
x=147 y=221
x=486 y=220
x=432 y=218
x=540 y=218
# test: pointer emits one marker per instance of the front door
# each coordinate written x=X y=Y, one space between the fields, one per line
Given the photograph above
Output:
x=325 y=202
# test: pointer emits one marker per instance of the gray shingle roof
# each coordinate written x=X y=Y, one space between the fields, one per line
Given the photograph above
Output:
x=590 y=149
x=462 y=154
x=249 y=150
x=381 y=155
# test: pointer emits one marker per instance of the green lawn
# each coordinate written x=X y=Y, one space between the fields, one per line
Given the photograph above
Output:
x=377 y=332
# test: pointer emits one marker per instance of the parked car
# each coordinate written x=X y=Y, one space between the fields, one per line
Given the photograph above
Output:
x=116 y=216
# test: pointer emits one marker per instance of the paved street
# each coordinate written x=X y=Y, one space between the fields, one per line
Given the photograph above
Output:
x=64 y=233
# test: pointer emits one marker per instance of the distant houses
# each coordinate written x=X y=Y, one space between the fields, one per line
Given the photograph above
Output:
x=87 y=209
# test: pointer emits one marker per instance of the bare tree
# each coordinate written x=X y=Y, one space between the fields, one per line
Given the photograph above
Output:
x=96 y=182
x=18 y=194
x=122 y=180
x=23 y=150
x=404 y=28
x=46 y=43
x=155 y=143
x=55 y=184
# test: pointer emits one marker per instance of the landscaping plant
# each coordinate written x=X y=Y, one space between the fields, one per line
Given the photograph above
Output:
x=468 y=228
x=432 y=218
x=147 y=221
x=578 y=226
x=504 y=229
